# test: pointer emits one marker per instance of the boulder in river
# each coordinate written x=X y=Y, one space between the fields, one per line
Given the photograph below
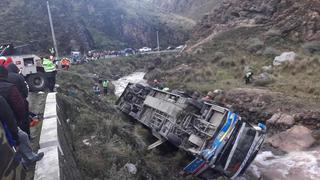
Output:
x=132 y=169
x=296 y=138
x=281 y=119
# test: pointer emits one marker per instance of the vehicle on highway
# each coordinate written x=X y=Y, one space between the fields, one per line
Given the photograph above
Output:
x=180 y=47
x=128 y=52
x=222 y=142
x=170 y=48
x=76 y=57
x=145 y=49
x=157 y=49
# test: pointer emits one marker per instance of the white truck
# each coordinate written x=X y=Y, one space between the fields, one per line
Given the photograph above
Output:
x=31 y=68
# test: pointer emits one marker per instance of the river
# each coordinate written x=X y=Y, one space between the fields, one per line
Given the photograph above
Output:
x=120 y=84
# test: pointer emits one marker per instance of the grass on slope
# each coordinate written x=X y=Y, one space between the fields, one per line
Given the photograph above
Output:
x=221 y=64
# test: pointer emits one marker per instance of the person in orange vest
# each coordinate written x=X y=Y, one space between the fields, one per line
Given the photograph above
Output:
x=65 y=63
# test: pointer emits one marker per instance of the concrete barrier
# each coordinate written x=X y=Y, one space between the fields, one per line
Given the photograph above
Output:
x=56 y=141
x=48 y=167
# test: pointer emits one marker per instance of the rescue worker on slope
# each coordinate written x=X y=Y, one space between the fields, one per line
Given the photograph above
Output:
x=96 y=89
x=65 y=63
x=105 y=85
x=50 y=70
x=248 y=77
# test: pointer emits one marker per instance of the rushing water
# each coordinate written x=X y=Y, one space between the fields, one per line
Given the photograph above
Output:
x=302 y=165
x=121 y=83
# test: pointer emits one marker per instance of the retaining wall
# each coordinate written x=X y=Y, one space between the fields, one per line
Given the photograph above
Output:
x=55 y=141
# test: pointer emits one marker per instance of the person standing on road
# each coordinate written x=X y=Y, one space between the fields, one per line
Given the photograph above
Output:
x=9 y=123
x=14 y=98
x=50 y=69
x=105 y=85
x=17 y=79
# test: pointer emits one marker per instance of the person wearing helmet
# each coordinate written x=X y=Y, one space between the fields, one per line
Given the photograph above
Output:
x=50 y=69
x=96 y=89
x=65 y=63
x=105 y=85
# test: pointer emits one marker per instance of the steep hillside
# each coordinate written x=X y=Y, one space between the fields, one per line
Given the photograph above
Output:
x=86 y=24
x=294 y=20
x=189 y=8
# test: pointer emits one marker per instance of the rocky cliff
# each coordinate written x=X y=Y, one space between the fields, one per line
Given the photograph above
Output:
x=86 y=24
x=295 y=20
x=194 y=9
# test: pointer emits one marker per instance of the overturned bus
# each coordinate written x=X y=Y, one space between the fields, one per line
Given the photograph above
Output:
x=222 y=142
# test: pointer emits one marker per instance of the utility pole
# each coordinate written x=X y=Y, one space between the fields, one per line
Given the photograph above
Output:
x=52 y=31
x=158 y=43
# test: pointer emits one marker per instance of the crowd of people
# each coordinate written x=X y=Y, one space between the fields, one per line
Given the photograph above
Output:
x=15 y=116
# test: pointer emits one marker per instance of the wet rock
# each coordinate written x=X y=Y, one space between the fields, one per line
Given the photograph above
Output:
x=254 y=45
x=284 y=57
x=312 y=47
x=295 y=139
x=309 y=118
x=271 y=52
x=132 y=169
x=263 y=79
x=281 y=119
x=316 y=134
x=219 y=55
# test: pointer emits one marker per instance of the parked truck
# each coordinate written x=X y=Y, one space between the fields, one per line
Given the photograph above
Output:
x=30 y=66
x=223 y=143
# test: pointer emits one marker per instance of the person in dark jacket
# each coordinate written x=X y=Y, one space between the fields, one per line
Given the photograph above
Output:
x=9 y=122
x=17 y=79
x=19 y=137
x=12 y=95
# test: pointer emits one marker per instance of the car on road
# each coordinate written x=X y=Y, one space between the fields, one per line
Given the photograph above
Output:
x=180 y=47
x=157 y=49
x=128 y=52
x=170 y=48
x=145 y=49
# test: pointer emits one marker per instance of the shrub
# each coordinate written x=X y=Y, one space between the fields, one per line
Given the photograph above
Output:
x=271 y=52
x=254 y=45
x=312 y=47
